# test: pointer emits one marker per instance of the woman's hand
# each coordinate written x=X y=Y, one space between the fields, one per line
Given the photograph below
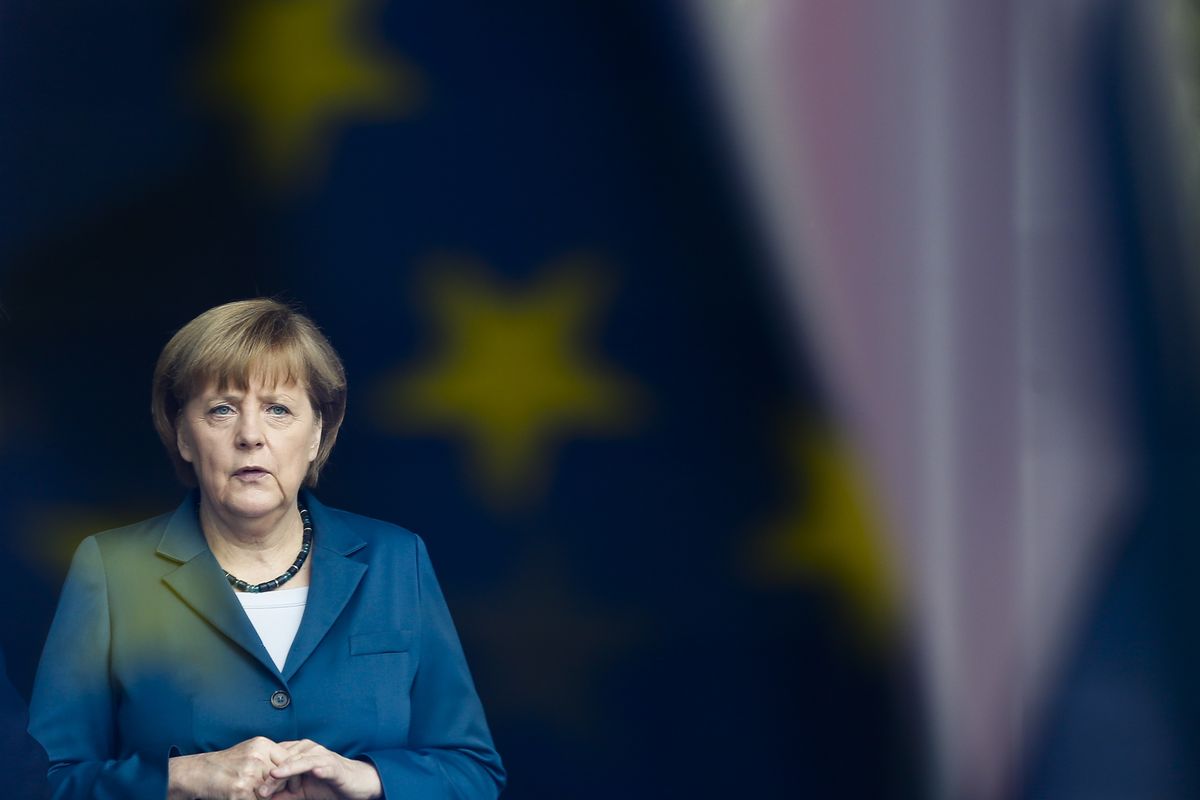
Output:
x=233 y=774
x=310 y=772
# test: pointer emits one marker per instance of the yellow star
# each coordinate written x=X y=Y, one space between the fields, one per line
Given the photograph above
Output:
x=832 y=537
x=52 y=535
x=513 y=373
x=55 y=532
x=289 y=68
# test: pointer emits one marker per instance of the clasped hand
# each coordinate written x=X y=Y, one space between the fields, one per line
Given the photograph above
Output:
x=260 y=768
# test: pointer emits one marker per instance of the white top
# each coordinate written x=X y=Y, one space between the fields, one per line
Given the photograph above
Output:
x=276 y=616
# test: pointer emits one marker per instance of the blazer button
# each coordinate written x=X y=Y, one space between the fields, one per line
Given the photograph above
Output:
x=281 y=699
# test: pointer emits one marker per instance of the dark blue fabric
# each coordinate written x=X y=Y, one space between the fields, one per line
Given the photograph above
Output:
x=22 y=760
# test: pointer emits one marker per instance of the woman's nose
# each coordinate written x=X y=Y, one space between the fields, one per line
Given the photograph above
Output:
x=249 y=433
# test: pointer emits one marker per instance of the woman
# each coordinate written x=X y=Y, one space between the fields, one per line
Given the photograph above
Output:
x=255 y=643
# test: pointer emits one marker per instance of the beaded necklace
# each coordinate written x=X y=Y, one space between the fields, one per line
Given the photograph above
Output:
x=275 y=583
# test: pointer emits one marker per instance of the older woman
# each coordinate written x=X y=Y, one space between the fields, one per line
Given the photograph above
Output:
x=254 y=642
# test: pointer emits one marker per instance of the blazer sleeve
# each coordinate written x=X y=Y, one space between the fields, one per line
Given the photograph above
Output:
x=71 y=712
x=450 y=753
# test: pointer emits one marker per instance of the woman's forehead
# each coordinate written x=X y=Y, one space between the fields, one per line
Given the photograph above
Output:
x=268 y=378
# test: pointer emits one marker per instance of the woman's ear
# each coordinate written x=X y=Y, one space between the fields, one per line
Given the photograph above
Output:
x=315 y=445
x=183 y=443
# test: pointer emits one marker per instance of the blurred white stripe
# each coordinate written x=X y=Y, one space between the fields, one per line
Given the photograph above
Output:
x=935 y=378
x=925 y=171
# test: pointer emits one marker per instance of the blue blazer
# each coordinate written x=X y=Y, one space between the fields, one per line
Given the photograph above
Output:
x=150 y=655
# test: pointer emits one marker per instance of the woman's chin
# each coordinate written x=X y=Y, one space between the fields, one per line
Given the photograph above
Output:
x=253 y=501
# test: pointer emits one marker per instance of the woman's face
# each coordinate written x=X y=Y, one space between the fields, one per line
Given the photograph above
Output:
x=250 y=449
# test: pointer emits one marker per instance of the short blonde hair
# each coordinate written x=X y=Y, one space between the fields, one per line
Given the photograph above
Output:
x=228 y=344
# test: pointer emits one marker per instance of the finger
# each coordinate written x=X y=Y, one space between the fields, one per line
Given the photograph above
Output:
x=256 y=744
x=294 y=766
x=305 y=749
x=277 y=753
x=264 y=749
x=270 y=787
x=302 y=763
x=299 y=746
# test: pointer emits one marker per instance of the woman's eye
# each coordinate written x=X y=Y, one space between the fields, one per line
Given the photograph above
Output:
x=278 y=410
x=221 y=410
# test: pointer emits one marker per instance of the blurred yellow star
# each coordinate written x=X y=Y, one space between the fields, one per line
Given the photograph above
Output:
x=291 y=68
x=513 y=373
x=48 y=537
x=831 y=536
x=54 y=532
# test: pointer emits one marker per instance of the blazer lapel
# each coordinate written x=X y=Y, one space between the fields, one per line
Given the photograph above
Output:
x=335 y=576
x=199 y=582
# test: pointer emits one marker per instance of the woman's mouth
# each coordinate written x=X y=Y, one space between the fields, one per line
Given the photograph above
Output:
x=250 y=474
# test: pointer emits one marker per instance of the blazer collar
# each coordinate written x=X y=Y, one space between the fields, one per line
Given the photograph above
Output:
x=331 y=533
x=183 y=540
x=200 y=583
x=335 y=576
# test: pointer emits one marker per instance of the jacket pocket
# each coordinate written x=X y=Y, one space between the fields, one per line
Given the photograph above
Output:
x=381 y=642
